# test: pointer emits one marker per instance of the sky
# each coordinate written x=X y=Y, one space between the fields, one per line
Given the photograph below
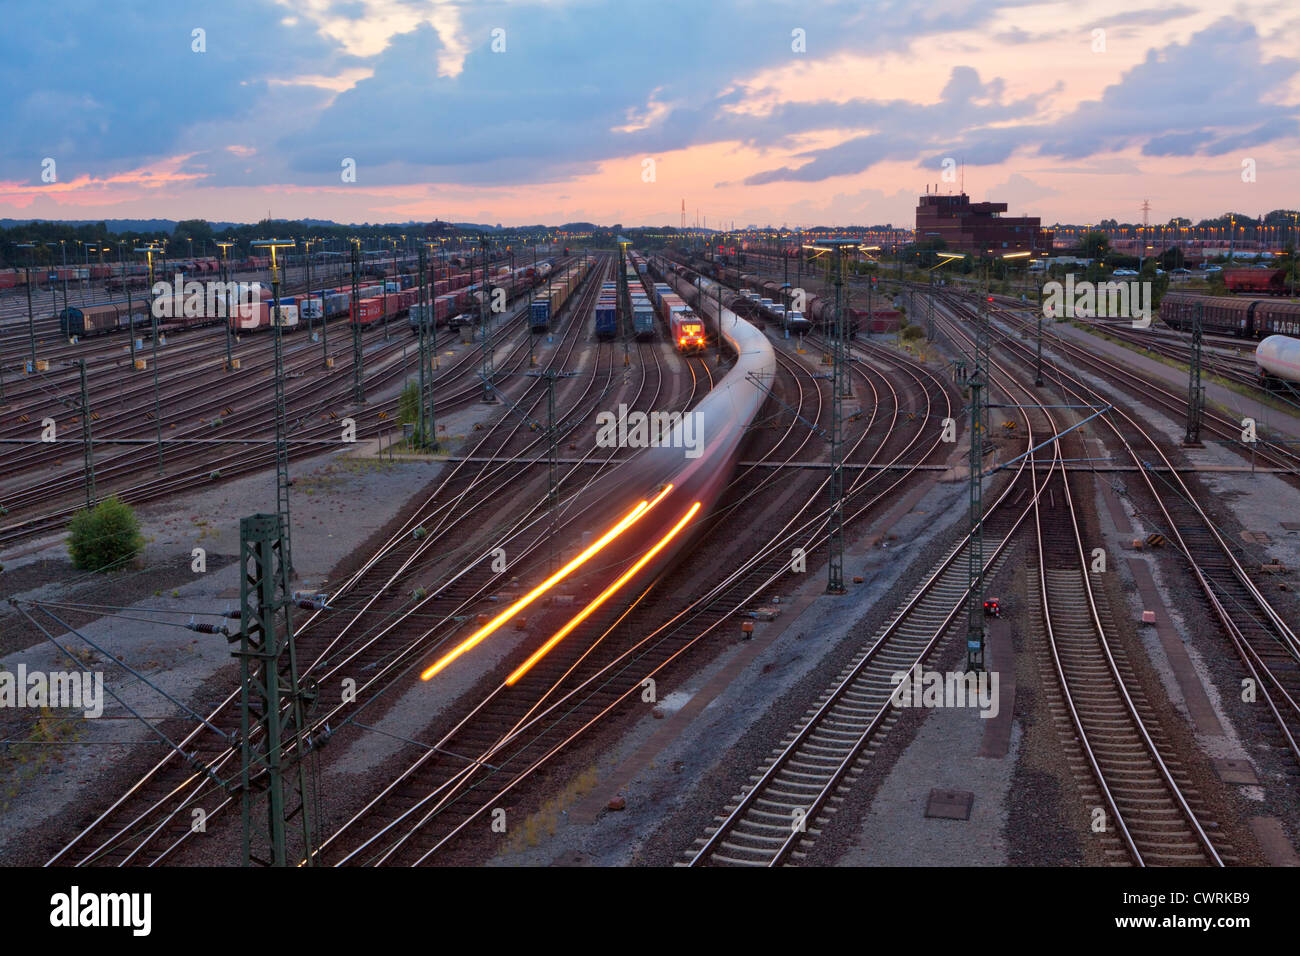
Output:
x=815 y=112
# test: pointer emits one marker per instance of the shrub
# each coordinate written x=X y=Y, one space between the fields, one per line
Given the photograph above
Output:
x=408 y=404
x=913 y=332
x=104 y=537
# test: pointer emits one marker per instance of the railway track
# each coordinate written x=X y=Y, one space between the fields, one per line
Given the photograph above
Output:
x=193 y=466
x=147 y=824
x=1264 y=641
x=420 y=815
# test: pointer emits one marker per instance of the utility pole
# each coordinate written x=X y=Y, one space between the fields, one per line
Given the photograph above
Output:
x=273 y=704
x=87 y=441
x=358 y=381
x=929 y=332
x=1038 y=365
x=625 y=300
x=225 y=280
x=150 y=251
x=63 y=249
x=1195 y=390
x=281 y=441
x=485 y=294
x=718 y=287
x=428 y=436
x=306 y=245
x=977 y=382
x=31 y=322
x=552 y=444
x=839 y=390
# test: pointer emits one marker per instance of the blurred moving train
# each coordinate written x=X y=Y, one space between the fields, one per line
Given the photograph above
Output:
x=1225 y=315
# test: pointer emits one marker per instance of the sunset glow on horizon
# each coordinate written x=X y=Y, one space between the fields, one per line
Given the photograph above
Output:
x=552 y=112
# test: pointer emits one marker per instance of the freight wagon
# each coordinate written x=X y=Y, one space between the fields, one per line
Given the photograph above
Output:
x=259 y=317
x=1256 y=281
x=606 y=317
x=1224 y=315
x=539 y=316
x=643 y=319
x=104 y=318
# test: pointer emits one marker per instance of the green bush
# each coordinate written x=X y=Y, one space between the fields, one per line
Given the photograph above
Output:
x=104 y=537
x=408 y=404
x=913 y=332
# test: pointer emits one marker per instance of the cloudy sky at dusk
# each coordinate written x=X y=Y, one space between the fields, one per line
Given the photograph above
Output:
x=1072 y=111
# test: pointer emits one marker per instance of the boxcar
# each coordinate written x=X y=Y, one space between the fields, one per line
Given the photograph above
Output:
x=1220 y=315
x=104 y=318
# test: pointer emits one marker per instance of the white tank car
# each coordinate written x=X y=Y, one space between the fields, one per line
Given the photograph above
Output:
x=1279 y=356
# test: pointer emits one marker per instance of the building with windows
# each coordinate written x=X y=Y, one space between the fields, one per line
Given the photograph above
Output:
x=978 y=227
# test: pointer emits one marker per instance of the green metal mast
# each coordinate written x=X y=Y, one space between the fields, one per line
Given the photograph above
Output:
x=273 y=706
x=978 y=383
x=839 y=390
x=88 y=441
x=1195 y=390
x=485 y=295
x=281 y=442
x=358 y=378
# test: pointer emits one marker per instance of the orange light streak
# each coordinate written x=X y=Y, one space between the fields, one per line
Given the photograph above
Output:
x=487 y=629
x=590 y=609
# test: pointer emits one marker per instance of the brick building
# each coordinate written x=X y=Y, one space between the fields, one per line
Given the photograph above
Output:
x=978 y=227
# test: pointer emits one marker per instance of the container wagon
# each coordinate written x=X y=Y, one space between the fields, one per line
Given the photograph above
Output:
x=258 y=317
x=539 y=315
x=643 y=320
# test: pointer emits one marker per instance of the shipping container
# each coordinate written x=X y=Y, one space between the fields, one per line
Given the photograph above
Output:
x=539 y=318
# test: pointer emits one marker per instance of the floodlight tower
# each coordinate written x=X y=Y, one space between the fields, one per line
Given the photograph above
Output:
x=358 y=377
x=31 y=325
x=428 y=319
x=150 y=251
x=225 y=279
x=486 y=370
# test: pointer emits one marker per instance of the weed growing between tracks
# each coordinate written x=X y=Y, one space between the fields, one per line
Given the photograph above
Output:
x=546 y=819
x=34 y=747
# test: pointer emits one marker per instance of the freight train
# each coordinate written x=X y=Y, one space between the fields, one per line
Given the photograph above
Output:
x=552 y=295
x=1224 y=315
x=607 y=311
x=250 y=310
